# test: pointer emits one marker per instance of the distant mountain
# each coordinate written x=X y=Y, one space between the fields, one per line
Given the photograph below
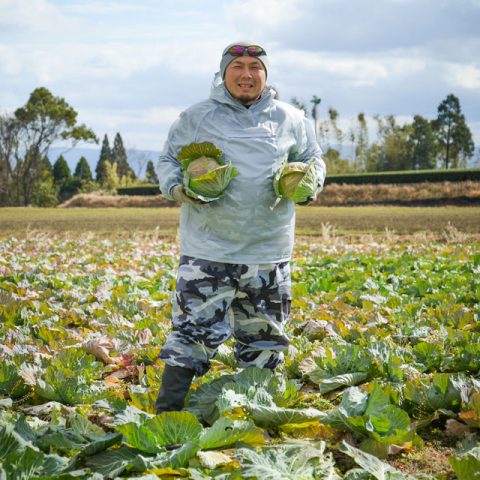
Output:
x=136 y=158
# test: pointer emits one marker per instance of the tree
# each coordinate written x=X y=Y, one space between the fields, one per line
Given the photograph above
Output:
x=151 y=174
x=63 y=180
x=421 y=144
x=61 y=171
x=338 y=134
x=103 y=160
x=453 y=134
x=82 y=170
x=112 y=181
x=119 y=157
x=47 y=168
x=45 y=193
x=373 y=158
x=316 y=102
x=26 y=136
x=8 y=147
x=394 y=148
x=335 y=164
x=361 y=137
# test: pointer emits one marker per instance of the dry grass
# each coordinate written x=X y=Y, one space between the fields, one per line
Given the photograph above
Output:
x=96 y=200
x=445 y=193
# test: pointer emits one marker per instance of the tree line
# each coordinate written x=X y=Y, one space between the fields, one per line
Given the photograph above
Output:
x=443 y=142
x=27 y=177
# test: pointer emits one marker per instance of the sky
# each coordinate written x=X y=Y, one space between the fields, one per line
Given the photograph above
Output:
x=132 y=66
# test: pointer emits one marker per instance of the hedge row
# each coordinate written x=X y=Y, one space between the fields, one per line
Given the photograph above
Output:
x=410 y=176
x=139 y=190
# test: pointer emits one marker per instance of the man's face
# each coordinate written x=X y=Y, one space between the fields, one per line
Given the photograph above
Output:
x=245 y=79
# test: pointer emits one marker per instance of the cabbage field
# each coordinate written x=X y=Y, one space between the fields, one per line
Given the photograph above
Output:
x=382 y=379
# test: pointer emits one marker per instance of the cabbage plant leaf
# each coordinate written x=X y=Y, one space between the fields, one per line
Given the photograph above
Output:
x=226 y=432
x=168 y=428
x=338 y=365
x=11 y=383
x=466 y=465
x=113 y=462
x=371 y=464
x=210 y=186
x=197 y=150
x=303 y=190
x=288 y=462
x=71 y=378
x=374 y=419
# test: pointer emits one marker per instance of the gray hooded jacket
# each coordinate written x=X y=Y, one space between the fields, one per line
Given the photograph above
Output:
x=244 y=225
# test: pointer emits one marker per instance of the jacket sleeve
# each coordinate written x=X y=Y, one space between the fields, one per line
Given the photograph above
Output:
x=307 y=150
x=169 y=171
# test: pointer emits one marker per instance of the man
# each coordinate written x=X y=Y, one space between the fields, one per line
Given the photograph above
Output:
x=234 y=275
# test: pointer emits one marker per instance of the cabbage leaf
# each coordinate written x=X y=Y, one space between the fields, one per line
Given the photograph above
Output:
x=299 y=192
x=288 y=462
x=210 y=186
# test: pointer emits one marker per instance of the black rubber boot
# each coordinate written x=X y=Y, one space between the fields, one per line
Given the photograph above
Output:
x=176 y=382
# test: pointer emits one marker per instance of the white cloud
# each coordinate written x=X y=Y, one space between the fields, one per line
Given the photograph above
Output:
x=356 y=70
x=141 y=128
x=102 y=8
x=101 y=62
x=34 y=15
x=161 y=115
x=265 y=15
x=463 y=76
x=10 y=64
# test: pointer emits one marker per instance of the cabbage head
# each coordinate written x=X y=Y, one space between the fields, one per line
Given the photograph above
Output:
x=201 y=166
x=205 y=174
x=296 y=181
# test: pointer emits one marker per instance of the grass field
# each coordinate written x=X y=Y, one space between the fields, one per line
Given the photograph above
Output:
x=310 y=220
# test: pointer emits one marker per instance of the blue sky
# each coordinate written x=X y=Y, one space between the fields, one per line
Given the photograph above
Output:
x=133 y=66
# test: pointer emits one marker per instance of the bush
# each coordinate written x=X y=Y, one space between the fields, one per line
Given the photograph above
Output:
x=45 y=194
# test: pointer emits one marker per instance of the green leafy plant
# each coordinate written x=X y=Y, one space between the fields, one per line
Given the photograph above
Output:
x=372 y=465
x=296 y=181
x=466 y=463
x=258 y=393
x=205 y=174
x=289 y=462
x=11 y=382
x=376 y=422
x=71 y=378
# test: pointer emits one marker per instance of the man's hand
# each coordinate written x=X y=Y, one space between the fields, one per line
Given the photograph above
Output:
x=179 y=195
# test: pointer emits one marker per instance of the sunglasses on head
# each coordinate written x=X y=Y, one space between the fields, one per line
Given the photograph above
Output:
x=251 y=51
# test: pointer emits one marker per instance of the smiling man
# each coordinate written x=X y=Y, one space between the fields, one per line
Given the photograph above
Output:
x=234 y=272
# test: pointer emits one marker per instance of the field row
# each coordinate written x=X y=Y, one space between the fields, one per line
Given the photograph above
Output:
x=310 y=220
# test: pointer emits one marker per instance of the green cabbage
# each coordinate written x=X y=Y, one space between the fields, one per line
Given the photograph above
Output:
x=296 y=181
x=205 y=174
x=201 y=166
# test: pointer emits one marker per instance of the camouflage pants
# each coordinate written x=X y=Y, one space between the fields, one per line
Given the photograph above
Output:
x=214 y=301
